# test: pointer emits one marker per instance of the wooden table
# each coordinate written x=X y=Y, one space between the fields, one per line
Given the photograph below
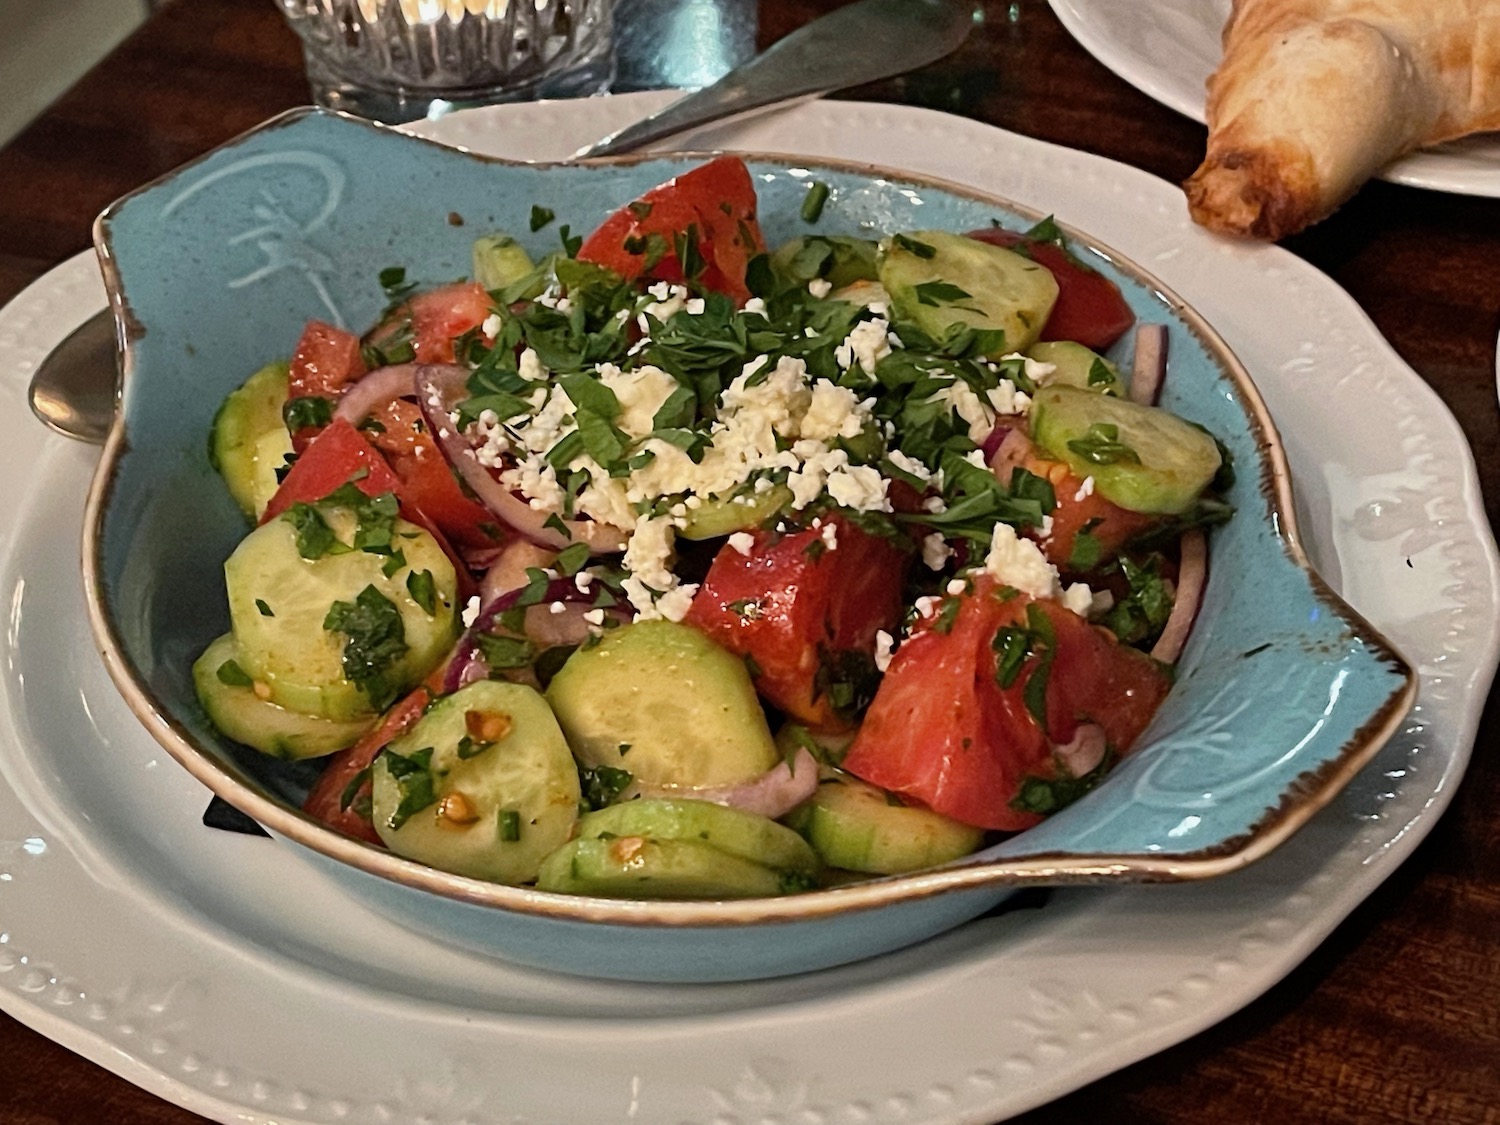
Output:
x=1396 y=1018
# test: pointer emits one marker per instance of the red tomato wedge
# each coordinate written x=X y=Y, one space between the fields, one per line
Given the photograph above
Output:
x=440 y=316
x=793 y=605
x=325 y=800
x=943 y=731
x=426 y=477
x=340 y=454
x=1079 y=509
x=1090 y=308
x=325 y=361
x=717 y=199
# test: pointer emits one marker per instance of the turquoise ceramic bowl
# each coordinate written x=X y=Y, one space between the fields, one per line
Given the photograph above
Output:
x=1283 y=692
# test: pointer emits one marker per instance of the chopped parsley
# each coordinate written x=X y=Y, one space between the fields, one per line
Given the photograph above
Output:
x=376 y=644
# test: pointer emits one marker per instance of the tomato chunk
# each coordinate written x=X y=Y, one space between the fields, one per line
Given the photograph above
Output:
x=1090 y=308
x=805 y=613
x=325 y=360
x=945 y=731
x=1086 y=528
x=716 y=200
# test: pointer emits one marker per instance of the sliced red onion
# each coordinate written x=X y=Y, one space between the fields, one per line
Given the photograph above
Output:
x=439 y=388
x=380 y=385
x=1085 y=751
x=1192 y=575
x=773 y=794
x=1150 y=367
x=992 y=443
x=1012 y=451
x=468 y=663
x=507 y=570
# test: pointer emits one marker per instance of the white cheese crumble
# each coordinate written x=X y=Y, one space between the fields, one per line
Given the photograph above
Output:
x=820 y=287
x=867 y=344
x=885 y=648
x=742 y=541
x=1085 y=490
x=471 y=612
x=1018 y=562
x=935 y=551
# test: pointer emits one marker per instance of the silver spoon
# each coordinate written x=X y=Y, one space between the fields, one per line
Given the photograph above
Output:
x=75 y=388
x=858 y=43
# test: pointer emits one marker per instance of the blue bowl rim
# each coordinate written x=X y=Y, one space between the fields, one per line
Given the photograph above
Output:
x=1298 y=802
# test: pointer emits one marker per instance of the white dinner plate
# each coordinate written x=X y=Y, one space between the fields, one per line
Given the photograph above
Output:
x=222 y=973
x=1168 y=48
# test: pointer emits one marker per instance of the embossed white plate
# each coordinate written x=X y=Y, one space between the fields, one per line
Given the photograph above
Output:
x=226 y=976
x=1168 y=48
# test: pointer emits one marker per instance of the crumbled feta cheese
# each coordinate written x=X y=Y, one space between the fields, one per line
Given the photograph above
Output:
x=471 y=612
x=830 y=536
x=975 y=457
x=1020 y=563
x=742 y=541
x=1085 y=490
x=594 y=617
x=755 y=305
x=867 y=344
x=583 y=580
x=955 y=586
x=1079 y=598
x=977 y=415
x=641 y=394
x=1038 y=372
x=557 y=607
x=492 y=325
x=935 y=504
x=1045 y=531
x=935 y=551
x=1007 y=400
x=834 y=412
x=820 y=287
x=926 y=606
x=885 y=647
x=531 y=368
x=910 y=465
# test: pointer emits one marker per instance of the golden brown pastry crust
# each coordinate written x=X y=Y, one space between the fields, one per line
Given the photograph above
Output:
x=1315 y=96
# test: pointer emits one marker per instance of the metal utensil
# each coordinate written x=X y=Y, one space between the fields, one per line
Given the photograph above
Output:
x=75 y=388
x=860 y=42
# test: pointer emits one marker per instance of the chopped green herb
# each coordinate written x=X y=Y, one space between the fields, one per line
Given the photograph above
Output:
x=509 y=825
x=376 y=643
x=602 y=784
x=265 y=610
x=540 y=217
x=913 y=246
x=504 y=653
x=471 y=748
x=306 y=412
x=423 y=590
x=1102 y=446
x=415 y=785
x=936 y=293
x=232 y=674
x=814 y=201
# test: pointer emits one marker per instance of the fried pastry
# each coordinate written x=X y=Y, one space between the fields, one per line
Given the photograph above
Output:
x=1315 y=96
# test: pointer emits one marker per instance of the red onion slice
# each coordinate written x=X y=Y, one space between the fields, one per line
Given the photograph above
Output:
x=773 y=794
x=380 y=385
x=438 y=389
x=507 y=571
x=1150 y=367
x=1085 y=751
x=1192 y=575
x=1012 y=451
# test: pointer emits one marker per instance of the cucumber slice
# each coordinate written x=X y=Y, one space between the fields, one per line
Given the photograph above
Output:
x=724 y=515
x=242 y=715
x=853 y=825
x=732 y=831
x=1078 y=366
x=278 y=602
x=501 y=261
x=664 y=702
x=249 y=440
x=838 y=259
x=1141 y=457
x=940 y=280
x=632 y=867
x=503 y=786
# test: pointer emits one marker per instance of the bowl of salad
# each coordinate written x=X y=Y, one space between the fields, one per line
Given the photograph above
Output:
x=698 y=567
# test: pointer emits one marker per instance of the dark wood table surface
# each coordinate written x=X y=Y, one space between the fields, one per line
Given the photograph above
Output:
x=1396 y=1018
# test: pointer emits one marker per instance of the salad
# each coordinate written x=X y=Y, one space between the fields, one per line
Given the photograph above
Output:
x=670 y=566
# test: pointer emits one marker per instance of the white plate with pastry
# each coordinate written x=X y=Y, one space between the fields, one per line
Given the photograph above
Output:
x=1169 y=48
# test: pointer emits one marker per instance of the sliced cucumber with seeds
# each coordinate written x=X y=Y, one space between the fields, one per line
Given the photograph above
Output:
x=483 y=785
x=239 y=713
x=940 y=280
x=724 y=515
x=667 y=704
x=1078 y=366
x=501 y=261
x=1142 y=458
x=838 y=259
x=634 y=867
x=278 y=602
x=856 y=826
x=732 y=831
x=249 y=440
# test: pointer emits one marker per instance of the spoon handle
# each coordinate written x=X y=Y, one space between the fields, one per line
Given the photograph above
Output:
x=858 y=43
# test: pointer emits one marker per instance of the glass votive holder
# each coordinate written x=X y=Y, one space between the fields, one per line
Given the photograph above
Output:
x=399 y=60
